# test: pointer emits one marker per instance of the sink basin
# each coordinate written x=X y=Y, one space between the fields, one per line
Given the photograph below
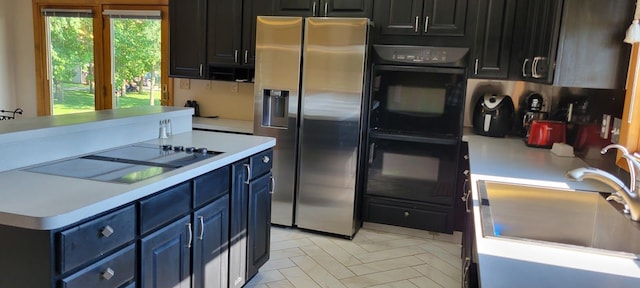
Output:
x=580 y=219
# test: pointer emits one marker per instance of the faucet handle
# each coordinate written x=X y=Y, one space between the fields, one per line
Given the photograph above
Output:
x=617 y=198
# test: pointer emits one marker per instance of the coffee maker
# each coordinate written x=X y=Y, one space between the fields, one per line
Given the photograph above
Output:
x=533 y=111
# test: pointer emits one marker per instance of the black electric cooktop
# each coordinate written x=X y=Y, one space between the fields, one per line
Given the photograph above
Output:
x=128 y=164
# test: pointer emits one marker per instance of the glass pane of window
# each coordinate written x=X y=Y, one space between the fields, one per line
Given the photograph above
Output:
x=71 y=63
x=135 y=61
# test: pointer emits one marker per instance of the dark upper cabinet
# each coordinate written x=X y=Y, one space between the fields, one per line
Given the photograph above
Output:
x=224 y=32
x=421 y=17
x=231 y=31
x=572 y=43
x=187 y=43
x=539 y=27
x=491 y=50
x=324 y=8
x=423 y=22
x=589 y=56
x=209 y=39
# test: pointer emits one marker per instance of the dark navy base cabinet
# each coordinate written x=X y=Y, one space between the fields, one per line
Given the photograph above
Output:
x=210 y=231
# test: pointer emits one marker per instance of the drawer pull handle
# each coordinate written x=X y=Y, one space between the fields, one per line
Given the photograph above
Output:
x=406 y=213
x=190 y=232
x=265 y=159
x=107 y=231
x=107 y=274
x=201 y=236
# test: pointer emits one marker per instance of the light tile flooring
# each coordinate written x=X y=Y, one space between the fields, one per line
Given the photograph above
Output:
x=379 y=256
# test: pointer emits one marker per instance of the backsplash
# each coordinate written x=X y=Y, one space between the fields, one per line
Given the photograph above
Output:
x=584 y=128
x=225 y=99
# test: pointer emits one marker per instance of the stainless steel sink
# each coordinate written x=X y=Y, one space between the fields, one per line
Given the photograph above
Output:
x=578 y=219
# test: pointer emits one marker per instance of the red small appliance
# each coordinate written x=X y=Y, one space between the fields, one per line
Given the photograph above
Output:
x=543 y=133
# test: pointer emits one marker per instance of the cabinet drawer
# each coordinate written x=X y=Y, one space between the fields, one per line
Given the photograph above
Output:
x=113 y=271
x=165 y=206
x=261 y=163
x=95 y=238
x=211 y=186
x=407 y=215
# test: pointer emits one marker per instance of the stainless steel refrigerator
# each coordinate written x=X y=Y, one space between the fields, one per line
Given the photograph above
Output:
x=310 y=80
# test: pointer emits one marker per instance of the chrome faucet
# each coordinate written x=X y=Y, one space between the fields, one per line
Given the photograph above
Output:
x=626 y=195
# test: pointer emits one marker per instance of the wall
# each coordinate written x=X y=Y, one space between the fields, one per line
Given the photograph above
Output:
x=225 y=99
x=17 y=55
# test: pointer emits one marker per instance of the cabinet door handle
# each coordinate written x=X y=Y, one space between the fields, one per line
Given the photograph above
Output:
x=475 y=69
x=106 y=231
x=248 y=167
x=273 y=185
x=107 y=274
x=426 y=24
x=201 y=236
x=235 y=56
x=326 y=9
x=524 y=67
x=190 y=232
x=465 y=192
x=417 y=24
x=467 y=208
x=534 y=67
x=246 y=56
x=313 y=10
x=200 y=71
x=465 y=271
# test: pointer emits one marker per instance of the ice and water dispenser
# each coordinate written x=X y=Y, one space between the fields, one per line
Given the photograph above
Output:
x=275 y=108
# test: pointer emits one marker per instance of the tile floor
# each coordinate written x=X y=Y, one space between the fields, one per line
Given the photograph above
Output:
x=379 y=256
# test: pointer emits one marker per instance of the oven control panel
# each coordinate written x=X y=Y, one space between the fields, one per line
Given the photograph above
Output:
x=421 y=55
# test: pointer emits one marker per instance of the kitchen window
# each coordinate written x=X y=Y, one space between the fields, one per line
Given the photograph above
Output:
x=94 y=55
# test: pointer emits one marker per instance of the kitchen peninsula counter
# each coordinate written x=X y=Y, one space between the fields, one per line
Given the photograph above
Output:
x=521 y=263
x=166 y=215
x=44 y=202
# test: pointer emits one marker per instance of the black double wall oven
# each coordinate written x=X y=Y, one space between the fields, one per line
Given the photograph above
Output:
x=416 y=106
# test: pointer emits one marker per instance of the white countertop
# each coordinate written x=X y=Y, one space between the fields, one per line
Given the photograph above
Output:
x=43 y=202
x=512 y=263
x=223 y=124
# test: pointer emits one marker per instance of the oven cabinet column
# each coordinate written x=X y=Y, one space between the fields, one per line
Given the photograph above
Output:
x=192 y=249
x=250 y=230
